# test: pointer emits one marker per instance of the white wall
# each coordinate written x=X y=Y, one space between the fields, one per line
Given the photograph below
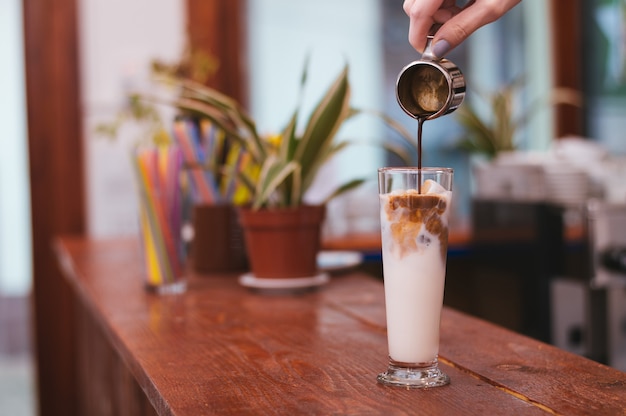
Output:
x=15 y=231
x=119 y=39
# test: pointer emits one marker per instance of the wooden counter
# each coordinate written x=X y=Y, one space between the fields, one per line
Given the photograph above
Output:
x=221 y=349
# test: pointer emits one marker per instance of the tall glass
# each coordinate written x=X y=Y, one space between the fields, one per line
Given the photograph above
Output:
x=414 y=211
x=157 y=172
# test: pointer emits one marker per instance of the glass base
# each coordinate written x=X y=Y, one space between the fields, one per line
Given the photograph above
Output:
x=413 y=376
x=169 y=288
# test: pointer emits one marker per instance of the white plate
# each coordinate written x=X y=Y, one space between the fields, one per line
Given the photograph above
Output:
x=332 y=261
x=251 y=281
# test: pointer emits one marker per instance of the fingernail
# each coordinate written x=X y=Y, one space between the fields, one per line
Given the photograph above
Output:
x=441 y=48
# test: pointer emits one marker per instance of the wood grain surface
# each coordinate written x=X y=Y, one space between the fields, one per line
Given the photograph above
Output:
x=221 y=349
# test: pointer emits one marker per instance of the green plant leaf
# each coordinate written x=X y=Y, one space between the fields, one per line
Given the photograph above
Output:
x=323 y=124
x=476 y=130
x=246 y=138
x=273 y=173
x=288 y=144
x=344 y=188
x=231 y=110
x=405 y=146
x=503 y=129
x=322 y=158
x=289 y=141
x=248 y=182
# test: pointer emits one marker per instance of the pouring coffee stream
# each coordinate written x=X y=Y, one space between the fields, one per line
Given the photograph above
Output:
x=429 y=88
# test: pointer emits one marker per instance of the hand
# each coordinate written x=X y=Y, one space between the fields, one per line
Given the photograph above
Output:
x=457 y=23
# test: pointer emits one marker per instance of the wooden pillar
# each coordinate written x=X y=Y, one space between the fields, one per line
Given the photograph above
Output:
x=217 y=27
x=54 y=122
x=57 y=189
x=568 y=69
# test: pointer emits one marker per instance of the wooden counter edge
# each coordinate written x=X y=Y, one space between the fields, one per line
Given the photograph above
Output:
x=60 y=248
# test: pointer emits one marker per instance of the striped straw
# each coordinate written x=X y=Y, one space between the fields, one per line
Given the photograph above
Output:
x=203 y=193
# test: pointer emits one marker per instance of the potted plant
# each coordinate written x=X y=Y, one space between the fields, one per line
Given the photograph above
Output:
x=491 y=138
x=211 y=190
x=494 y=133
x=286 y=168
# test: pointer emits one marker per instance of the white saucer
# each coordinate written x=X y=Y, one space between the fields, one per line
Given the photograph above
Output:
x=251 y=281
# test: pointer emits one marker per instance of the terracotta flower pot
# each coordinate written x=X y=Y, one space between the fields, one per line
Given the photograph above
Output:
x=284 y=242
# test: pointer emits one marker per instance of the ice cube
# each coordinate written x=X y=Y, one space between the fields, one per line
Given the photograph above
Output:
x=432 y=187
x=423 y=239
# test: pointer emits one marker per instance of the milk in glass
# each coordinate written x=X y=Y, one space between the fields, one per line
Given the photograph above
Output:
x=414 y=229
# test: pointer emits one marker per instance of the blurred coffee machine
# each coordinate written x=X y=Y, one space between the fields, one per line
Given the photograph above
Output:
x=589 y=311
x=606 y=315
x=517 y=247
x=568 y=291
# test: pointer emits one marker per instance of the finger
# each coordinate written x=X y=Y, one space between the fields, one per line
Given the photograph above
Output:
x=420 y=14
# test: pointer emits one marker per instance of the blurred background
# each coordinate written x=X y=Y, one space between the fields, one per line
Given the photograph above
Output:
x=550 y=204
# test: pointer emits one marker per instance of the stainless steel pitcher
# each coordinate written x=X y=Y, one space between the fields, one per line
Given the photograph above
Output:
x=430 y=87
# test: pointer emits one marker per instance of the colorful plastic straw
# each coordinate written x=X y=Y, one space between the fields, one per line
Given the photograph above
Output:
x=158 y=173
x=212 y=163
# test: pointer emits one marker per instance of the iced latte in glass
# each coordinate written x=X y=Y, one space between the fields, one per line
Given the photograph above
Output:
x=414 y=210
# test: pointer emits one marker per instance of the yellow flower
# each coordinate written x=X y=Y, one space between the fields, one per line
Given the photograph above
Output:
x=274 y=140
